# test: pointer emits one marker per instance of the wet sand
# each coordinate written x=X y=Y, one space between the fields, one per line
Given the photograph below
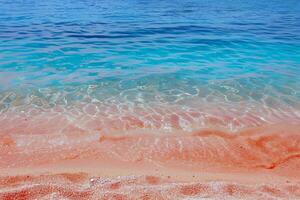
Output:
x=255 y=163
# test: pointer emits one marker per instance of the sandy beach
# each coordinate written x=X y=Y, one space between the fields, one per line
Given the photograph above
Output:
x=257 y=163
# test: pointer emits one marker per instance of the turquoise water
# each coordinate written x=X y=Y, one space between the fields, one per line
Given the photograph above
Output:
x=188 y=54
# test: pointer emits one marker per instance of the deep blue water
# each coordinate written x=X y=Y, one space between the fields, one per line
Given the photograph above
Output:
x=243 y=50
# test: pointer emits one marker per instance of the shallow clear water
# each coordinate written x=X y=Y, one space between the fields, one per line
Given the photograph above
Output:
x=224 y=60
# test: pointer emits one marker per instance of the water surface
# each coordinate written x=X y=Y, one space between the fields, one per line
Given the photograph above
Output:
x=209 y=57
